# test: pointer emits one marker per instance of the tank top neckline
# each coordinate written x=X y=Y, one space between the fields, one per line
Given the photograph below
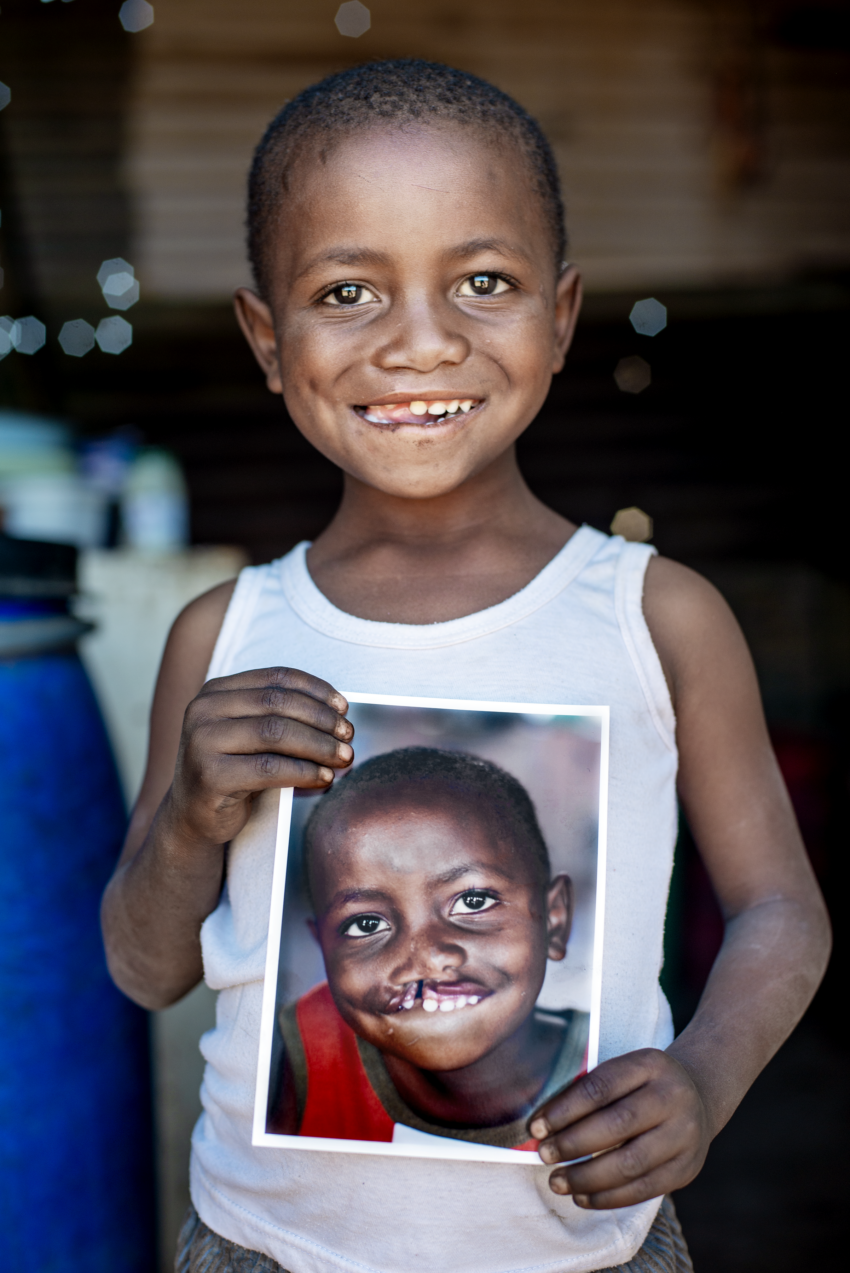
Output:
x=314 y=608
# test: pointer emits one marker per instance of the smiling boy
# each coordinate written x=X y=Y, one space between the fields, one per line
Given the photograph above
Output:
x=436 y=914
x=406 y=233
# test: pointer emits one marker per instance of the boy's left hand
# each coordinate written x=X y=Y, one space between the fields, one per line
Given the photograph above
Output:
x=644 y=1117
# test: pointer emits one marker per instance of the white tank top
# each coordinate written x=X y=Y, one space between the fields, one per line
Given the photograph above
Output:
x=575 y=634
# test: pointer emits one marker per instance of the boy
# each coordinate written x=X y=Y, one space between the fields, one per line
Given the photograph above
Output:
x=412 y=304
x=436 y=912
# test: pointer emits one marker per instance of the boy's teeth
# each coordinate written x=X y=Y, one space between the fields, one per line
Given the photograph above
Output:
x=409 y=998
x=401 y=412
x=433 y=1001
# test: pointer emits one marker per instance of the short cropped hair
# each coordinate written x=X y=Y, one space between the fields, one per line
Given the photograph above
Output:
x=397 y=91
x=502 y=798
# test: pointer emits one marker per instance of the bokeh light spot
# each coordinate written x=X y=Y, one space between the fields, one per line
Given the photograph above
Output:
x=353 y=19
x=115 y=265
x=135 y=15
x=10 y=335
x=33 y=334
x=633 y=524
x=648 y=317
x=77 y=337
x=633 y=374
x=114 y=335
x=118 y=283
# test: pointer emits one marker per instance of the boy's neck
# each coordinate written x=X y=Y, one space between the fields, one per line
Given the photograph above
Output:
x=400 y=560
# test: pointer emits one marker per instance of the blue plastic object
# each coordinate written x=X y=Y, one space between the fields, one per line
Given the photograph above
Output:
x=76 y=1171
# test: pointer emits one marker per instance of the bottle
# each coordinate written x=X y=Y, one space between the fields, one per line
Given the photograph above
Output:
x=155 y=503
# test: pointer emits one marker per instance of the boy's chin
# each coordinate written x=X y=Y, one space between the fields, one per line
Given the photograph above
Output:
x=431 y=1042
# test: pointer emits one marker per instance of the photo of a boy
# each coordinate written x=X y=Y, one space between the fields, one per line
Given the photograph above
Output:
x=436 y=910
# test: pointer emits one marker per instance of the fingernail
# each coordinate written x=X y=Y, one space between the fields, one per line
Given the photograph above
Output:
x=581 y=1199
x=344 y=751
x=548 y=1152
x=539 y=1129
x=343 y=729
x=325 y=774
x=339 y=703
x=558 y=1184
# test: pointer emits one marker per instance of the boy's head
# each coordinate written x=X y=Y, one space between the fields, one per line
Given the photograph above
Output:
x=434 y=907
x=406 y=232
x=401 y=93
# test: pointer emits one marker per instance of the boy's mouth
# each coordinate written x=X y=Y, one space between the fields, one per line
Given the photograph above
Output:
x=418 y=411
x=440 y=996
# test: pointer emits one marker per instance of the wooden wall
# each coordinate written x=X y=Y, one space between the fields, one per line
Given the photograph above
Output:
x=701 y=142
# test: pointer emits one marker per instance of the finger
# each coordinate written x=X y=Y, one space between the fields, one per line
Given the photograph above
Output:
x=255 y=735
x=664 y=1179
x=227 y=705
x=602 y=1086
x=606 y=1128
x=238 y=776
x=285 y=678
x=618 y=1168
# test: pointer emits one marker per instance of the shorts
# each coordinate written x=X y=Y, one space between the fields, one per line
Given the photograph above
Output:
x=200 y=1250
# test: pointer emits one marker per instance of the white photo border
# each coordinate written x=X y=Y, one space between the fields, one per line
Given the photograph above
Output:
x=422 y=1146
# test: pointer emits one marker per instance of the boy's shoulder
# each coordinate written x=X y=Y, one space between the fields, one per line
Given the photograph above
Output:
x=691 y=625
x=193 y=635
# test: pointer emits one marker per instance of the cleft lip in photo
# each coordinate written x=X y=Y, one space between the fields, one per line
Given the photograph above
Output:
x=439 y=996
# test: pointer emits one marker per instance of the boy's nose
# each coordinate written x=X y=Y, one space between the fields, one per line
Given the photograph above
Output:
x=429 y=954
x=423 y=337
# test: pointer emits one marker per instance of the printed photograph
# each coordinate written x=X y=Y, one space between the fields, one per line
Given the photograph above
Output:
x=435 y=934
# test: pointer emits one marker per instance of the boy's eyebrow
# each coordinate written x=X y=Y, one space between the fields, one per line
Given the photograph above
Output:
x=371 y=256
x=359 y=895
x=473 y=247
x=449 y=877
x=345 y=896
x=345 y=256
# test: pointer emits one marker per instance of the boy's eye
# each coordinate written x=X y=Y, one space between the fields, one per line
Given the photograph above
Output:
x=349 y=294
x=472 y=903
x=483 y=285
x=364 y=926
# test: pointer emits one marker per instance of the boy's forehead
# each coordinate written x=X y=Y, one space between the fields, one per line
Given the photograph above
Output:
x=409 y=190
x=392 y=828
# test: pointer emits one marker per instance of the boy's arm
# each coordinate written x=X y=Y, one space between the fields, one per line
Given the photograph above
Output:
x=655 y=1113
x=212 y=748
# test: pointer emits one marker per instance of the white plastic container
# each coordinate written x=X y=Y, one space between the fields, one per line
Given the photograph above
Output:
x=60 y=507
x=155 y=504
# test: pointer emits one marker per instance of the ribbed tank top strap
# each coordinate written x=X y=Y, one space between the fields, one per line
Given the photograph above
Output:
x=238 y=617
x=628 y=604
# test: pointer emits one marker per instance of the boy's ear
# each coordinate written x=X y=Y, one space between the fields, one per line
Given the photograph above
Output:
x=568 y=294
x=559 y=915
x=255 y=319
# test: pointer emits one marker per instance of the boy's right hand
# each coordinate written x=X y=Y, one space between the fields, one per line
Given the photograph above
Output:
x=275 y=727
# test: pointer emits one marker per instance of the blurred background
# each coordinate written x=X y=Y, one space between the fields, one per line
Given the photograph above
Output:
x=704 y=147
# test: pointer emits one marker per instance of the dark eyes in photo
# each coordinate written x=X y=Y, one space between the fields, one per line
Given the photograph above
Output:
x=471 y=902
